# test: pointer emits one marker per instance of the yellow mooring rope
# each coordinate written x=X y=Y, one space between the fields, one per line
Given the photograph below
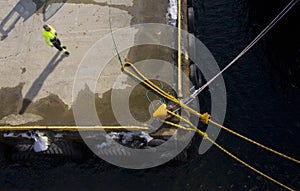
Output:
x=179 y=79
x=205 y=118
x=254 y=142
x=71 y=128
x=205 y=136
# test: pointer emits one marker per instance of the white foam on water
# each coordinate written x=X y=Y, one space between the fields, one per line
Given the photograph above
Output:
x=173 y=12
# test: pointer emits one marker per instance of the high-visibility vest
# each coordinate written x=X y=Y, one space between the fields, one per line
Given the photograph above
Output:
x=48 y=35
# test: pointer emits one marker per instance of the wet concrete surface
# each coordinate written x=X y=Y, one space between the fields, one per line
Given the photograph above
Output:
x=11 y=99
x=42 y=95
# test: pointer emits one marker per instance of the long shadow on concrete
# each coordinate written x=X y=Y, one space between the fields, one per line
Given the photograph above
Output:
x=38 y=83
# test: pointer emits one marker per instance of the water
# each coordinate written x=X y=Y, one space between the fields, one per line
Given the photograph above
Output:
x=262 y=96
x=263 y=103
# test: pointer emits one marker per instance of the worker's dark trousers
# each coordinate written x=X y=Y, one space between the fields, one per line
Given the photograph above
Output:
x=56 y=43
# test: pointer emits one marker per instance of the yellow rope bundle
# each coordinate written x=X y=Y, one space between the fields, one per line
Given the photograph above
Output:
x=205 y=118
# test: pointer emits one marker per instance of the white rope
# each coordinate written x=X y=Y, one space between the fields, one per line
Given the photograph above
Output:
x=259 y=36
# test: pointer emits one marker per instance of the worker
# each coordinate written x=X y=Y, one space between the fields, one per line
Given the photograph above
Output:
x=50 y=36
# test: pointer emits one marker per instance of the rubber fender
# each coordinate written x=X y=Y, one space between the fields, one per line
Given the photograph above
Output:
x=61 y=149
x=156 y=142
x=191 y=20
x=195 y=76
x=182 y=157
x=23 y=152
x=113 y=151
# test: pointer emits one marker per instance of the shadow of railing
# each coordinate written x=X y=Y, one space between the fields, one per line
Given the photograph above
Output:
x=51 y=8
x=38 y=83
x=25 y=9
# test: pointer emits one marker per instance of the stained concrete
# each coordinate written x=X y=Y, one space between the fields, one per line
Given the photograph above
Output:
x=36 y=79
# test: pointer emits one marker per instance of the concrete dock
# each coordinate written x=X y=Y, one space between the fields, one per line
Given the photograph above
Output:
x=36 y=79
